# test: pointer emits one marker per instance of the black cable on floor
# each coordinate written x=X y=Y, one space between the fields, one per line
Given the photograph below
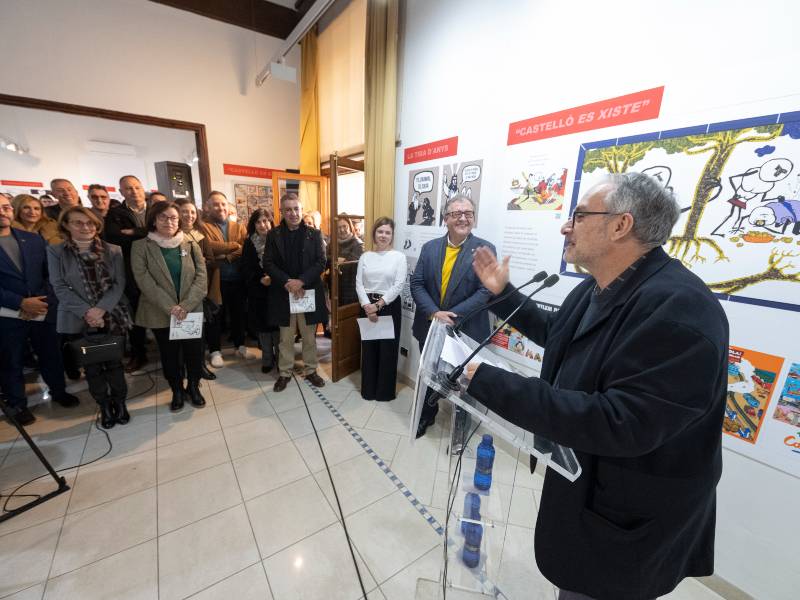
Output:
x=333 y=487
x=94 y=460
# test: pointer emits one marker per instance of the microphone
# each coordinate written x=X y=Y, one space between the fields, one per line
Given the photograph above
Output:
x=535 y=279
x=449 y=380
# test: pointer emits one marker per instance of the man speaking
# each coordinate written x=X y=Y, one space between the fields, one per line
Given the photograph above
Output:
x=633 y=379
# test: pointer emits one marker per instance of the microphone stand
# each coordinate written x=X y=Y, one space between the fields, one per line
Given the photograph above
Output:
x=449 y=380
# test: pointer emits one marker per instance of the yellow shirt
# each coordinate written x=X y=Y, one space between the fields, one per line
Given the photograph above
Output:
x=450 y=256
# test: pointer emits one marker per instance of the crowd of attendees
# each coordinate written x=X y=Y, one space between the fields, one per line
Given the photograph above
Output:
x=123 y=268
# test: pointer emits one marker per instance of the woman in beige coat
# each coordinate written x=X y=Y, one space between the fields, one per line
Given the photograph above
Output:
x=171 y=273
x=29 y=216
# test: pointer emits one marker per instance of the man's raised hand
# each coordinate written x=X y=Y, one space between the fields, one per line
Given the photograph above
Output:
x=493 y=275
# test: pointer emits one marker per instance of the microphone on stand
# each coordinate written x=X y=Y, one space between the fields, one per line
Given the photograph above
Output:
x=454 y=330
x=449 y=380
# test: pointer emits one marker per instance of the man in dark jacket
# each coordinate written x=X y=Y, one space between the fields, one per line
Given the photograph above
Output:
x=634 y=379
x=124 y=224
x=294 y=259
x=67 y=196
x=27 y=312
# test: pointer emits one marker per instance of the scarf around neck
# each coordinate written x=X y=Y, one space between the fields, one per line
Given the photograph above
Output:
x=259 y=242
x=165 y=242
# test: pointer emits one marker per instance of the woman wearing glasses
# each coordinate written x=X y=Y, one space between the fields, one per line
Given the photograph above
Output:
x=170 y=270
x=379 y=279
x=88 y=278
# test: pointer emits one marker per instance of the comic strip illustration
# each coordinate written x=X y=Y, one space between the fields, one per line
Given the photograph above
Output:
x=738 y=186
x=787 y=409
x=536 y=191
x=248 y=197
x=751 y=381
x=422 y=194
x=461 y=178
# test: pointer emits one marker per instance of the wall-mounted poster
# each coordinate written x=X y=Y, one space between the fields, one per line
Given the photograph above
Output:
x=464 y=179
x=787 y=408
x=738 y=186
x=248 y=197
x=751 y=380
x=423 y=191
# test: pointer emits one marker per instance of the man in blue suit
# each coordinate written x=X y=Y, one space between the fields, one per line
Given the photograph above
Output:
x=27 y=312
x=445 y=287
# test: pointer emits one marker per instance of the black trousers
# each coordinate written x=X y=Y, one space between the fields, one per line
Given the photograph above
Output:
x=137 y=336
x=463 y=423
x=379 y=359
x=234 y=309
x=106 y=380
x=177 y=355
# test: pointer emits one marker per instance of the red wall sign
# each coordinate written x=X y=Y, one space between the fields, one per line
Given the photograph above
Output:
x=108 y=188
x=245 y=171
x=28 y=184
x=630 y=108
x=431 y=151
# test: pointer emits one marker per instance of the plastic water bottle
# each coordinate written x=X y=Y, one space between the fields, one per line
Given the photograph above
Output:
x=472 y=510
x=471 y=554
x=483 y=466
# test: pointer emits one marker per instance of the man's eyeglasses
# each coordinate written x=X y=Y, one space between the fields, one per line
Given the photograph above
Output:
x=577 y=215
x=457 y=214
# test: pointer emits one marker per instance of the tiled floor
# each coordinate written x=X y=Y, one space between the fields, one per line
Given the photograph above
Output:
x=233 y=500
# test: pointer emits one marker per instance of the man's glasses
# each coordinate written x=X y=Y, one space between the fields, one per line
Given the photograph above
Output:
x=577 y=215
x=457 y=214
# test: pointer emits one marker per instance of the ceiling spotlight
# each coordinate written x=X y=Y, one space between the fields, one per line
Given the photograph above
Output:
x=12 y=146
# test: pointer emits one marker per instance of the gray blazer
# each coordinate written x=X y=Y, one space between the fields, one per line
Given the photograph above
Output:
x=158 y=292
x=65 y=277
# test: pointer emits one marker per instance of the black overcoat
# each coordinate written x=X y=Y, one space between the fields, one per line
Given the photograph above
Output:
x=640 y=398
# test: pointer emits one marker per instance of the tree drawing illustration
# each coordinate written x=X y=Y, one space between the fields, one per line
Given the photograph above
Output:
x=777 y=266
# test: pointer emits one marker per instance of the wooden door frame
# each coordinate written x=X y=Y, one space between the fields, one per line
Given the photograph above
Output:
x=321 y=180
x=199 y=129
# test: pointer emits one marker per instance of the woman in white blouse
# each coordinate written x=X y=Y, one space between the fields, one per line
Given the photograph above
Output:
x=379 y=279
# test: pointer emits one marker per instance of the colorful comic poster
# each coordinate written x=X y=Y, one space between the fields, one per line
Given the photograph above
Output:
x=537 y=189
x=751 y=380
x=248 y=197
x=787 y=409
x=422 y=194
x=463 y=179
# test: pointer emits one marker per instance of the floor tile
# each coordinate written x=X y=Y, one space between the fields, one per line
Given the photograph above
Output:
x=21 y=466
x=297 y=423
x=289 y=398
x=25 y=556
x=104 y=530
x=383 y=419
x=337 y=442
x=194 y=497
x=32 y=593
x=392 y=518
x=383 y=444
x=403 y=585
x=254 y=436
x=335 y=393
x=269 y=469
x=356 y=410
x=320 y=566
x=137 y=436
x=518 y=575
x=250 y=584
x=286 y=516
x=188 y=423
x=242 y=411
x=691 y=589
x=47 y=511
x=192 y=455
x=134 y=576
x=415 y=465
x=359 y=482
x=220 y=545
x=106 y=481
x=523 y=507
x=225 y=393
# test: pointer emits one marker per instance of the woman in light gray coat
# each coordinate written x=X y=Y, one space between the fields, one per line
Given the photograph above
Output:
x=171 y=272
x=88 y=277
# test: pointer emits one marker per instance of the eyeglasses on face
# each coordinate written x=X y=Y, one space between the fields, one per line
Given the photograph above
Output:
x=82 y=224
x=578 y=215
x=167 y=219
x=457 y=214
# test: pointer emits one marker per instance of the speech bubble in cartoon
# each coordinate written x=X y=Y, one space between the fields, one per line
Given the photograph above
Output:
x=423 y=182
x=470 y=173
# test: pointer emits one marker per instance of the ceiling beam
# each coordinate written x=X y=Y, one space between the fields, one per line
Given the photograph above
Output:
x=257 y=15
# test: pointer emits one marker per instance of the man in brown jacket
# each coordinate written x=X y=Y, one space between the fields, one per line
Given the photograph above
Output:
x=226 y=238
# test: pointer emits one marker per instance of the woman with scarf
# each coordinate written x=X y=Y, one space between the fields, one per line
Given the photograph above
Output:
x=192 y=228
x=257 y=282
x=29 y=216
x=170 y=270
x=88 y=277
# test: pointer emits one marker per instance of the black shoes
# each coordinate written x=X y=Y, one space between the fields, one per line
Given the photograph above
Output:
x=177 y=395
x=66 y=400
x=206 y=373
x=108 y=416
x=25 y=417
x=315 y=380
x=280 y=384
x=121 y=411
x=423 y=426
x=267 y=368
x=195 y=397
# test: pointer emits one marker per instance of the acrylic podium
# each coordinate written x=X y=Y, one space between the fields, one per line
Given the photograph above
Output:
x=469 y=571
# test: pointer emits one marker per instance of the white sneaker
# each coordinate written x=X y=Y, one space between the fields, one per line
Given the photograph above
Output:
x=216 y=360
x=242 y=351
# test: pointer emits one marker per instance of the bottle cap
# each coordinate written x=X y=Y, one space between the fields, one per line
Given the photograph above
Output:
x=487 y=438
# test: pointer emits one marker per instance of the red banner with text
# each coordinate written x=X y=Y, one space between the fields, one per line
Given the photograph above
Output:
x=630 y=108
x=245 y=171
x=431 y=151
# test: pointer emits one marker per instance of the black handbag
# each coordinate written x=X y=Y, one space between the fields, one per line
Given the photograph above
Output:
x=210 y=310
x=97 y=347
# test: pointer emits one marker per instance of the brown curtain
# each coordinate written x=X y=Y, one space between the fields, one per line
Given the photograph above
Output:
x=380 y=104
x=309 y=120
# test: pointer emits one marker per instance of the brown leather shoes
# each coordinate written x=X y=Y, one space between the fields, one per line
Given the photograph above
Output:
x=315 y=380
x=280 y=384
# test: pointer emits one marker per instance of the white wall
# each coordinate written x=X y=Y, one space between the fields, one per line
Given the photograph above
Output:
x=141 y=57
x=471 y=67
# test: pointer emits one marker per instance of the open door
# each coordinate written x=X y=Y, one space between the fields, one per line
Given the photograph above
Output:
x=346 y=341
